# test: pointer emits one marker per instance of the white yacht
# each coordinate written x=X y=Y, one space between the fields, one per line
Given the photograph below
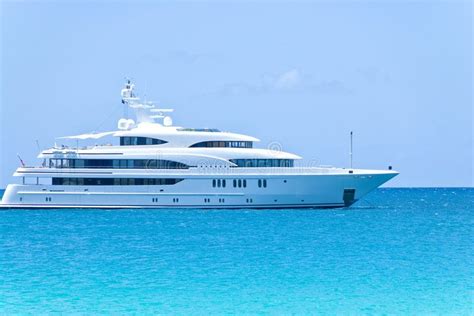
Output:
x=158 y=165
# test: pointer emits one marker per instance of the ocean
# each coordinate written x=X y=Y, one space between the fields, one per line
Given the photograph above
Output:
x=398 y=252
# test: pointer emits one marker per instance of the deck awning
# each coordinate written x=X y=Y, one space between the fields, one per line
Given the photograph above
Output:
x=88 y=136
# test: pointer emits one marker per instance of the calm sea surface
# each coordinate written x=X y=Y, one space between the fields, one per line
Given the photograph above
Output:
x=399 y=251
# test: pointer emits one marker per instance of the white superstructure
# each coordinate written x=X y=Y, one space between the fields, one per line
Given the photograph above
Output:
x=158 y=165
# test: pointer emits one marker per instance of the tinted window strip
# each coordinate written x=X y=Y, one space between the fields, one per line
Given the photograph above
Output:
x=263 y=163
x=117 y=164
x=115 y=181
x=220 y=144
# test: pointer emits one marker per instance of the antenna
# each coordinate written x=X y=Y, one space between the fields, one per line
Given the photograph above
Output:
x=351 y=149
x=145 y=111
x=21 y=161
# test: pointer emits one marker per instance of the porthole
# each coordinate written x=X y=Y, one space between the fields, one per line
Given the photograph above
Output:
x=223 y=183
x=240 y=183
x=264 y=183
x=219 y=183
x=259 y=183
x=234 y=183
x=245 y=183
x=214 y=183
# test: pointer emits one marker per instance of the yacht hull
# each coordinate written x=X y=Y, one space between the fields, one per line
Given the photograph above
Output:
x=279 y=191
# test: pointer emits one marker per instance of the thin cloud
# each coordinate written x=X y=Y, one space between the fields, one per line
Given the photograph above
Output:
x=290 y=81
x=374 y=75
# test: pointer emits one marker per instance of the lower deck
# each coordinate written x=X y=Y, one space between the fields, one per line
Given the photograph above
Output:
x=226 y=192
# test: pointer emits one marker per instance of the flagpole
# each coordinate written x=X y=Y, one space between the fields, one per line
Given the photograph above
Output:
x=351 y=149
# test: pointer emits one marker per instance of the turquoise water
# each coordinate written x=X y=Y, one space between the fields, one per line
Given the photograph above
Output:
x=400 y=251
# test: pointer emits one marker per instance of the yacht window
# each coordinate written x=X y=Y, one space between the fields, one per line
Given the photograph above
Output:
x=245 y=183
x=212 y=130
x=134 y=141
x=223 y=183
x=240 y=183
x=151 y=164
x=264 y=183
x=139 y=164
x=123 y=163
x=235 y=183
x=223 y=144
x=117 y=163
x=214 y=183
x=114 y=181
x=263 y=163
x=219 y=183
x=141 y=141
x=124 y=141
x=259 y=183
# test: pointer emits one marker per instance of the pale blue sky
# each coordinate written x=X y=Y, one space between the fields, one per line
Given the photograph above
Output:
x=302 y=74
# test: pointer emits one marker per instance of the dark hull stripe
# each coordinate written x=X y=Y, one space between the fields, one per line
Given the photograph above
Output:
x=174 y=206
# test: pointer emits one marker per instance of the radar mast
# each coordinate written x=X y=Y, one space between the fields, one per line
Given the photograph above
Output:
x=145 y=112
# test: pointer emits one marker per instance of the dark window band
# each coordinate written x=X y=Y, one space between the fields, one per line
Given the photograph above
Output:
x=117 y=163
x=211 y=130
x=233 y=144
x=263 y=163
x=115 y=181
x=139 y=141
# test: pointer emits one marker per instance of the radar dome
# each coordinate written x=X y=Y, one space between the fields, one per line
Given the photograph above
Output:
x=167 y=121
x=124 y=124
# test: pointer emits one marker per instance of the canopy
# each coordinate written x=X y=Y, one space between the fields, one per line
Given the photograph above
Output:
x=88 y=136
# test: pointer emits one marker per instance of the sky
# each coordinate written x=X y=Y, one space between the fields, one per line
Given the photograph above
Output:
x=297 y=75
